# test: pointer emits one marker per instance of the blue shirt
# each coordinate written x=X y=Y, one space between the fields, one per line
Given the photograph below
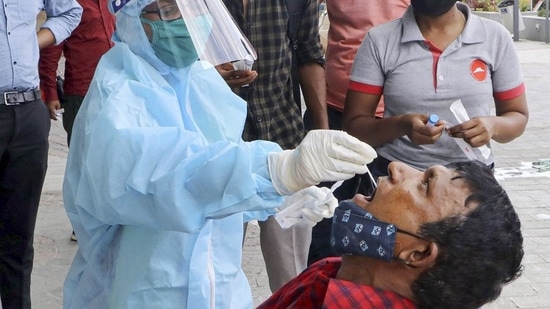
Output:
x=18 y=41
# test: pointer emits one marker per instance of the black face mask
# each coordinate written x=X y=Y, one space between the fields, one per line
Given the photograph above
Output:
x=432 y=7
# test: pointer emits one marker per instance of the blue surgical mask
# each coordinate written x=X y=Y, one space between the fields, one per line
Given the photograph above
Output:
x=172 y=42
x=357 y=232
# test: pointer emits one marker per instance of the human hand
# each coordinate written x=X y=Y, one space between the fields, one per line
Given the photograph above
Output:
x=476 y=132
x=236 y=78
x=323 y=155
x=420 y=133
x=309 y=205
x=321 y=207
x=53 y=107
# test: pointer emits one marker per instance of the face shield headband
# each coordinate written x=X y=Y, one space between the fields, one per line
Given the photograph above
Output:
x=357 y=232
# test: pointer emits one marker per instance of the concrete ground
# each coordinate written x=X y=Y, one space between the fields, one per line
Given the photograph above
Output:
x=528 y=189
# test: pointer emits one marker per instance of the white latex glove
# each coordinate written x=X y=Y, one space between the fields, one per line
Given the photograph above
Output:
x=309 y=205
x=323 y=155
x=318 y=211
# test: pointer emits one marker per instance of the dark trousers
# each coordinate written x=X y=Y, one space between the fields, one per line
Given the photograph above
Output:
x=71 y=105
x=24 y=131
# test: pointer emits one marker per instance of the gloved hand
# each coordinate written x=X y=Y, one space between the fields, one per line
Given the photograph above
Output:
x=323 y=155
x=308 y=205
x=322 y=208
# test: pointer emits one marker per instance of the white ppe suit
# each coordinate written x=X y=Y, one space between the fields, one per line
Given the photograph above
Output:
x=157 y=181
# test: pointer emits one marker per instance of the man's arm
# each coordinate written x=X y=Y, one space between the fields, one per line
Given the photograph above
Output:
x=63 y=18
x=45 y=38
x=47 y=70
x=311 y=66
x=312 y=81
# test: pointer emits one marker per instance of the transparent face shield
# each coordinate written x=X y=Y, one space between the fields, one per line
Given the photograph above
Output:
x=225 y=42
x=182 y=31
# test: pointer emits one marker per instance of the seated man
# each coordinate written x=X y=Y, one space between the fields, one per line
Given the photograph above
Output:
x=444 y=238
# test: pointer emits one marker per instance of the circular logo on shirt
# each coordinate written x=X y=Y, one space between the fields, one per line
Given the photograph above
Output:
x=478 y=69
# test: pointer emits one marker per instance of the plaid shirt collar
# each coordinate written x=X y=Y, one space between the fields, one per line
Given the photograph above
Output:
x=317 y=288
x=346 y=294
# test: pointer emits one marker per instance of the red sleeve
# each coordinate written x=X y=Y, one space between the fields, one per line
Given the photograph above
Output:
x=47 y=70
x=365 y=88
x=510 y=94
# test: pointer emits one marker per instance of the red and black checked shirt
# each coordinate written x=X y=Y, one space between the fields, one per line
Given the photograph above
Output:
x=316 y=288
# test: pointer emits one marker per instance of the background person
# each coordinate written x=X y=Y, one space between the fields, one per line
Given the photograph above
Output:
x=273 y=113
x=82 y=50
x=349 y=23
x=437 y=53
x=24 y=129
x=159 y=212
x=433 y=249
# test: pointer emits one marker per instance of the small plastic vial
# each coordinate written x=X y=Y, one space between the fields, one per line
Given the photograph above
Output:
x=432 y=120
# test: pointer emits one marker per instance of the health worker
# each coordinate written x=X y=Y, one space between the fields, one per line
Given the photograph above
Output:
x=158 y=181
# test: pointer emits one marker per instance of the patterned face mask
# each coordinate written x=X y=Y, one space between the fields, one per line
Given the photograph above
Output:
x=357 y=232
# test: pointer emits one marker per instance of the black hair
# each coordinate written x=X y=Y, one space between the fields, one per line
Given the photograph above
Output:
x=478 y=253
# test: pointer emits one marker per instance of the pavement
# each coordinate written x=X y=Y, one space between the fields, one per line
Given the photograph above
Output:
x=528 y=189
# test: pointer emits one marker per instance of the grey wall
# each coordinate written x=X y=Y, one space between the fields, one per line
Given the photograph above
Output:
x=532 y=25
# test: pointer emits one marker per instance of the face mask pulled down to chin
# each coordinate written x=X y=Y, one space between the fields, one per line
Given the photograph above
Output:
x=355 y=231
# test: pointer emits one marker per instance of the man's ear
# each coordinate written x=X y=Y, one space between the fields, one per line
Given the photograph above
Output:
x=422 y=255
